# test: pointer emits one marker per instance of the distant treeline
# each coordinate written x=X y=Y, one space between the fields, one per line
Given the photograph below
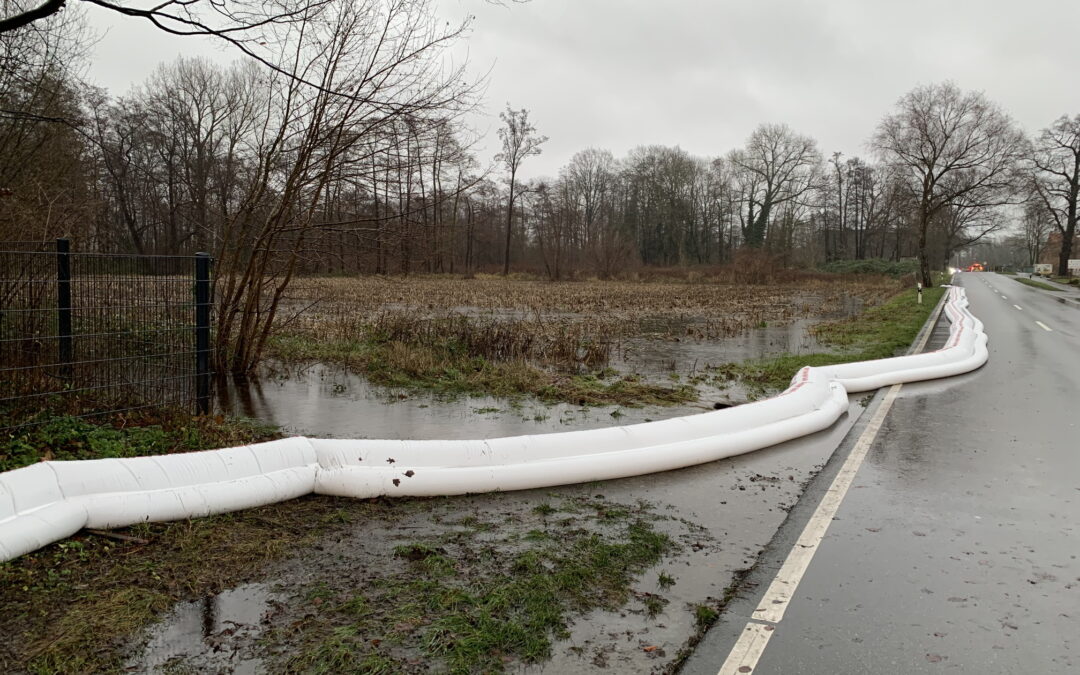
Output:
x=347 y=154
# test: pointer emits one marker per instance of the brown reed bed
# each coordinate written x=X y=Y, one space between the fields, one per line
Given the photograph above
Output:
x=492 y=335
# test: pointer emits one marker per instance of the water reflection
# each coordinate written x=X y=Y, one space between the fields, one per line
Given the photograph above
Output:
x=207 y=626
x=329 y=401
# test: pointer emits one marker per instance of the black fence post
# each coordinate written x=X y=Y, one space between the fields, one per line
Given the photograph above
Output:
x=63 y=307
x=202 y=332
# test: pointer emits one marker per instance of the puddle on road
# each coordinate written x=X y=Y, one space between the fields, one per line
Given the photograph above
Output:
x=218 y=629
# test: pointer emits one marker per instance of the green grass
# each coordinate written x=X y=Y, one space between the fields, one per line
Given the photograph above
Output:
x=1037 y=284
x=446 y=368
x=72 y=606
x=66 y=437
x=466 y=616
x=880 y=332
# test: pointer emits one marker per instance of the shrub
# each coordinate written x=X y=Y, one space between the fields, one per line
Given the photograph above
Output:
x=872 y=266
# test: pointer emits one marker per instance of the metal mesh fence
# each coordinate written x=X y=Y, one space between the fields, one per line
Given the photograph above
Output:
x=89 y=333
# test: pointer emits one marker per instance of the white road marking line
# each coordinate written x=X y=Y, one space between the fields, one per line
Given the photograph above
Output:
x=1004 y=298
x=791 y=572
x=1019 y=307
x=747 y=651
x=755 y=636
x=1045 y=327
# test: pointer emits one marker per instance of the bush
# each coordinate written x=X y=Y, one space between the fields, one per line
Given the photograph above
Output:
x=873 y=266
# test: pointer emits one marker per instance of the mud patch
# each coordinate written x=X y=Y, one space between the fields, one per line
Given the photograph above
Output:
x=406 y=587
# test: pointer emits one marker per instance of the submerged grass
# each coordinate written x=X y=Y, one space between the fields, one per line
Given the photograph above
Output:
x=448 y=368
x=880 y=332
x=487 y=604
x=512 y=338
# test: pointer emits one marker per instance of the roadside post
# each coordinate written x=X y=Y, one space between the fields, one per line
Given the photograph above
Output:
x=918 y=284
x=63 y=308
x=202 y=332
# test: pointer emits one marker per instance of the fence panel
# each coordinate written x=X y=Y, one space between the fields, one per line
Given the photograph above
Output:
x=92 y=333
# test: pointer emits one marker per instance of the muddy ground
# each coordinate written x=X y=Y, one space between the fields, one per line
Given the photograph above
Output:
x=720 y=516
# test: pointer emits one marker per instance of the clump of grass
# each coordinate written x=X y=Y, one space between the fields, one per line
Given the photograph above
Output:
x=65 y=437
x=511 y=610
x=705 y=616
x=72 y=606
x=879 y=332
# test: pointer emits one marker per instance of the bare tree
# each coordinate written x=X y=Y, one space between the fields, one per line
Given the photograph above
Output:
x=1037 y=224
x=519 y=140
x=1055 y=164
x=951 y=148
x=777 y=166
x=43 y=168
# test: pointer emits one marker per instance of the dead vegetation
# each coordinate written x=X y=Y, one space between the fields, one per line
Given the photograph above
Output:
x=511 y=337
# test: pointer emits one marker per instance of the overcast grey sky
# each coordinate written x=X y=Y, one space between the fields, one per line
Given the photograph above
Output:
x=702 y=74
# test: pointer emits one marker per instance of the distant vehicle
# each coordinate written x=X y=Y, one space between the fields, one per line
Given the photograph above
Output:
x=976 y=267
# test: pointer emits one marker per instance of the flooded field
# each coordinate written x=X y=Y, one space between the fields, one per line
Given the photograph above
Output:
x=300 y=614
x=330 y=400
x=333 y=400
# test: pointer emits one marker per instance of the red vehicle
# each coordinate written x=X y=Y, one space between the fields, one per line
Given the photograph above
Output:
x=976 y=267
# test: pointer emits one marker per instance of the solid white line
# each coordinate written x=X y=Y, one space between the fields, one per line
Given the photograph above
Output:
x=782 y=589
x=746 y=653
x=1019 y=307
x=1045 y=327
x=747 y=650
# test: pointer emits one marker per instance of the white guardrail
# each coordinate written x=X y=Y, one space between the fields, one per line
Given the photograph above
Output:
x=48 y=501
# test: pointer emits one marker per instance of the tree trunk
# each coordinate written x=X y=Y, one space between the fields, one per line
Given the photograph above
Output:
x=1067 y=236
x=509 y=230
x=924 y=259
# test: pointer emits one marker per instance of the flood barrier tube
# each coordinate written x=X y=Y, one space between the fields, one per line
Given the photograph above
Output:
x=51 y=500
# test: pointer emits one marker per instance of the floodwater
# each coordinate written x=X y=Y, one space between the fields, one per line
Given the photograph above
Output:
x=722 y=514
x=329 y=401
x=218 y=629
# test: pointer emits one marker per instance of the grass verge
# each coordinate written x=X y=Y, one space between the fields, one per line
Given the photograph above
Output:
x=73 y=606
x=48 y=436
x=880 y=332
x=1037 y=284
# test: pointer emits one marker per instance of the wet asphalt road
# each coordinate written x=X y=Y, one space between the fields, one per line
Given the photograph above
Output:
x=957 y=548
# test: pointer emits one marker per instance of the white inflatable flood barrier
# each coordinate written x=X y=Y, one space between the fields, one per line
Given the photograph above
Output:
x=52 y=500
